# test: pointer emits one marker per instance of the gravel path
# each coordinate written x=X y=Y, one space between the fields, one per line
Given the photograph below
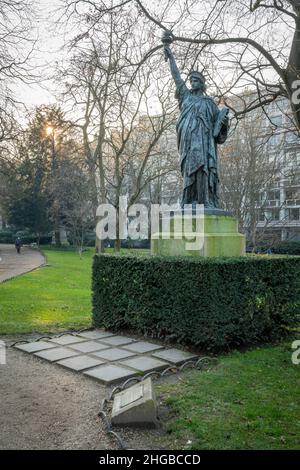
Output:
x=13 y=264
x=43 y=406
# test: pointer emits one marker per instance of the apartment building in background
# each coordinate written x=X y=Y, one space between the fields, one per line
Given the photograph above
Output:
x=260 y=171
x=279 y=207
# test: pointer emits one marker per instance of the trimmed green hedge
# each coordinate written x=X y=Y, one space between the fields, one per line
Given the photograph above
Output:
x=211 y=303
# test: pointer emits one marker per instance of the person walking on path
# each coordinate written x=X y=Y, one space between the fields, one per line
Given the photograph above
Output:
x=18 y=244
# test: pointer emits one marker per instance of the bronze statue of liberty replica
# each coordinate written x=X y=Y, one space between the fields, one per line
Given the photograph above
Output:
x=200 y=128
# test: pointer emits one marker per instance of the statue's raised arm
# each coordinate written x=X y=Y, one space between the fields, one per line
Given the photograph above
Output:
x=167 y=39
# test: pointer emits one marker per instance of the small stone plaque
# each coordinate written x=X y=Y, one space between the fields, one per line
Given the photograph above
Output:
x=135 y=406
x=131 y=395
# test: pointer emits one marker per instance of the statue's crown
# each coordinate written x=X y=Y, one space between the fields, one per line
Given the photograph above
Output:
x=197 y=74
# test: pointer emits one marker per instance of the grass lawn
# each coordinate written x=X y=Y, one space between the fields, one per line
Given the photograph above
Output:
x=53 y=298
x=250 y=401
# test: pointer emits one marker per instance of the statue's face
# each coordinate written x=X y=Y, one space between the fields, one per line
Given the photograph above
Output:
x=196 y=83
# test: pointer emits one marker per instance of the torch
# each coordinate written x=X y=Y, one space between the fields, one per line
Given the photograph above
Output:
x=167 y=39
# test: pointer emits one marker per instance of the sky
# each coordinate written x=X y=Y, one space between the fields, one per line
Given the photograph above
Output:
x=48 y=51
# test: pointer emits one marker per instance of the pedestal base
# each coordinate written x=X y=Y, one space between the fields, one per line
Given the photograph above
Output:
x=207 y=236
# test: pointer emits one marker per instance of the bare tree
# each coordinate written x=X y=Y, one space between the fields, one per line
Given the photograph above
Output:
x=16 y=47
x=72 y=189
x=110 y=91
x=152 y=157
x=254 y=42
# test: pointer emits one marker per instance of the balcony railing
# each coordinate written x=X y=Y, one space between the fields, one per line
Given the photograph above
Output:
x=279 y=223
x=292 y=202
x=272 y=203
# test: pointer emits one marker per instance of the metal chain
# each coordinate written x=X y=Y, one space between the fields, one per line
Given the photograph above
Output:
x=71 y=333
x=197 y=364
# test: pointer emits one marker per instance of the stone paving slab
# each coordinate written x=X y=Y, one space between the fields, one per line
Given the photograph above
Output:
x=117 y=340
x=35 y=346
x=96 y=334
x=142 y=347
x=175 y=356
x=104 y=356
x=78 y=363
x=56 y=354
x=144 y=363
x=88 y=346
x=67 y=339
x=111 y=373
x=113 y=354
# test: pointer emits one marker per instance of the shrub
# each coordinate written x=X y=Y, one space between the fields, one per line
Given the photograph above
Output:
x=9 y=236
x=211 y=303
x=279 y=247
x=6 y=236
x=27 y=237
x=89 y=238
x=286 y=247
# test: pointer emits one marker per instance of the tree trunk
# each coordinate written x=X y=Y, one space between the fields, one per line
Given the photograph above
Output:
x=292 y=73
x=57 y=237
x=99 y=245
x=117 y=240
x=117 y=245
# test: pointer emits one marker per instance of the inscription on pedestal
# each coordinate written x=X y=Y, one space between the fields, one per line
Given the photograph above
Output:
x=131 y=395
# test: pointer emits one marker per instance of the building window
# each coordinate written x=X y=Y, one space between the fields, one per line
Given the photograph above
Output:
x=289 y=194
x=273 y=195
x=294 y=214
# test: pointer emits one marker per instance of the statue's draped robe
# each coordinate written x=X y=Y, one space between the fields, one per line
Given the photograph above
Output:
x=197 y=145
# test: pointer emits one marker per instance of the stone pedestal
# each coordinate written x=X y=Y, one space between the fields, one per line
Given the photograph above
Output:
x=213 y=233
